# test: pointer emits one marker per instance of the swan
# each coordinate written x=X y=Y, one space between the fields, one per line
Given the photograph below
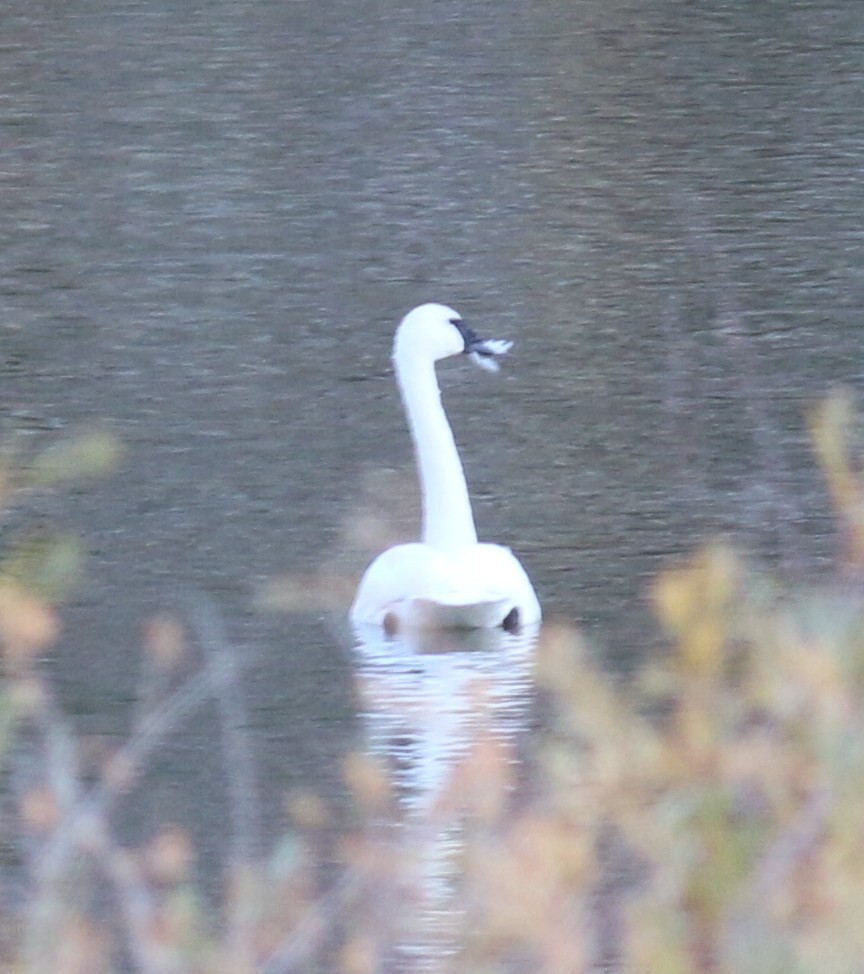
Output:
x=448 y=580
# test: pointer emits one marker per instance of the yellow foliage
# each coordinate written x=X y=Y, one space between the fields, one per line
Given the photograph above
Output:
x=831 y=425
x=170 y=856
x=91 y=454
x=368 y=781
x=694 y=604
x=165 y=641
x=28 y=624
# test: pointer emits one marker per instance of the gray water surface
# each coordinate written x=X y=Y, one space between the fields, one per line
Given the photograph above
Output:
x=213 y=215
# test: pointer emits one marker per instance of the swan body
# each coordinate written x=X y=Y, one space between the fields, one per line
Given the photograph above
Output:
x=449 y=580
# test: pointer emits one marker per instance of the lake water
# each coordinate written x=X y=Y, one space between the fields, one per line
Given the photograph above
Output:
x=213 y=215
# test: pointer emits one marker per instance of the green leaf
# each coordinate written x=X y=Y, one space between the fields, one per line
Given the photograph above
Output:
x=87 y=455
x=49 y=565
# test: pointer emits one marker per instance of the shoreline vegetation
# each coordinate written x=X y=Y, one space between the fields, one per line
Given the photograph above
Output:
x=704 y=818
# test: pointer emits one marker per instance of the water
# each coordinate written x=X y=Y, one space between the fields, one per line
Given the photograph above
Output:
x=427 y=705
x=213 y=216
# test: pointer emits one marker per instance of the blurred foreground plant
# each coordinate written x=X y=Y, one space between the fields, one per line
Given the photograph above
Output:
x=88 y=903
x=711 y=817
x=706 y=819
x=37 y=570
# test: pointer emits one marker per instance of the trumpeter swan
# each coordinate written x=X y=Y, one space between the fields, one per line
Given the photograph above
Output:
x=448 y=580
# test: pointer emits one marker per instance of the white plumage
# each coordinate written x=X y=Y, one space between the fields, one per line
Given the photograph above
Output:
x=448 y=580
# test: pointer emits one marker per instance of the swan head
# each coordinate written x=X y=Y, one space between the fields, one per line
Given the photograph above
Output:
x=435 y=331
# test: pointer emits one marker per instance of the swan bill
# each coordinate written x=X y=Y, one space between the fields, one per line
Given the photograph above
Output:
x=482 y=351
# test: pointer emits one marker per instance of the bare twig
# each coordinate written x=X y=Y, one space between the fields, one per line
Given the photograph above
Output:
x=681 y=429
x=746 y=923
x=63 y=772
x=83 y=815
x=793 y=845
x=135 y=901
x=245 y=808
x=297 y=947
x=729 y=325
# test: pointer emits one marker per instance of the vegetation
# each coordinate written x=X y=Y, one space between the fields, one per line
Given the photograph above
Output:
x=705 y=818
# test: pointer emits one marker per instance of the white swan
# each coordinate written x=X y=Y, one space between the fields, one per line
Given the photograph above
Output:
x=448 y=580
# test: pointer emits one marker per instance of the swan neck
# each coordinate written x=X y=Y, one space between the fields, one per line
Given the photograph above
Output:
x=448 y=523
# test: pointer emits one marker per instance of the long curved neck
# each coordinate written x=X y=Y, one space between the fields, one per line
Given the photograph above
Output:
x=448 y=523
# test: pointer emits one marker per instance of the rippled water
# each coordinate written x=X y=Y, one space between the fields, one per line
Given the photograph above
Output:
x=214 y=215
x=425 y=705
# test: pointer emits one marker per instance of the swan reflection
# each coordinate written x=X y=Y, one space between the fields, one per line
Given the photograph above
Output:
x=427 y=700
